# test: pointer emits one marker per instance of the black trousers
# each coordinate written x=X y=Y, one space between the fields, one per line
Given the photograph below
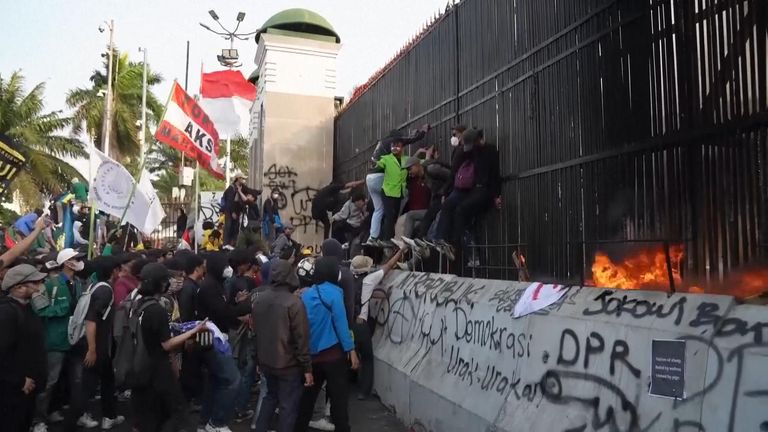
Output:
x=458 y=210
x=364 y=347
x=344 y=232
x=160 y=407
x=434 y=208
x=16 y=408
x=85 y=383
x=322 y=217
x=391 y=213
x=334 y=374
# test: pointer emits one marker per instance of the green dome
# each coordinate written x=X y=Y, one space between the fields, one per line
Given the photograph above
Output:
x=300 y=20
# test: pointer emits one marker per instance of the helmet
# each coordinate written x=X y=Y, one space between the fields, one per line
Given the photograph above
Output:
x=306 y=270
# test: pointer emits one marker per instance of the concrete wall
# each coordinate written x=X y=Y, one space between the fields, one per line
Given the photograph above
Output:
x=292 y=126
x=450 y=357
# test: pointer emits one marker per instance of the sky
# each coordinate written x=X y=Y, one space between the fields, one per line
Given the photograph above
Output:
x=57 y=41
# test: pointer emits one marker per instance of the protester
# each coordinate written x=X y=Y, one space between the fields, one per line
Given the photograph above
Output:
x=181 y=223
x=23 y=369
x=347 y=223
x=328 y=200
x=191 y=376
x=213 y=241
x=158 y=402
x=25 y=225
x=218 y=402
x=281 y=332
x=250 y=235
x=129 y=280
x=437 y=175
x=332 y=248
x=239 y=288
x=233 y=205
x=63 y=290
x=284 y=241
x=393 y=188
x=330 y=345
x=419 y=196
x=23 y=246
x=271 y=224
x=367 y=281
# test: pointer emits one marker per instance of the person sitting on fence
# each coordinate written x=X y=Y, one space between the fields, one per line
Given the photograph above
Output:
x=476 y=186
x=271 y=224
x=348 y=221
x=437 y=174
x=418 y=196
x=328 y=200
x=284 y=241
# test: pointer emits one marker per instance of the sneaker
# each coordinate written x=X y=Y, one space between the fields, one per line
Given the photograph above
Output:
x=372 y=242
x=410 y=242
x=56 y=417
x=40 y=427
x=87 y=421
x=108 y=423
x=345 y=246
x=323 y=425
x=243 y=415
x=211 y=428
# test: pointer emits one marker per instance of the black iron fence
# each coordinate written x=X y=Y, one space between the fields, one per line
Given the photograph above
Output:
x=615 y=120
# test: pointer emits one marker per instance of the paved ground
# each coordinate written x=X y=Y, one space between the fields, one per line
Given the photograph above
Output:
x=365 y=416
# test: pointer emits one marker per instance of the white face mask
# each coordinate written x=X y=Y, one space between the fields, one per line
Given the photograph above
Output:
x=454 y=141
x=228 y=272
x=76 y=266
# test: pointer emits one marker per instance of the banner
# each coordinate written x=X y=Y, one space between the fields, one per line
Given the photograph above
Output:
x=11 y=162
x=187 y=128
x=111 y=188
x=538 y=296
x=227 y=97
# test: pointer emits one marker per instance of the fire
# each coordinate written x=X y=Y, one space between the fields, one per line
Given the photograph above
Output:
x=645 y=269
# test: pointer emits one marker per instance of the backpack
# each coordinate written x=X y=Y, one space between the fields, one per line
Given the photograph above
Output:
x=123 y=313
x=132 y=362
x=76 y=327
x=465 y=176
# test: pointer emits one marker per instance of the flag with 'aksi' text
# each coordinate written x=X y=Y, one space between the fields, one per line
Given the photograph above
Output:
x=187 y=128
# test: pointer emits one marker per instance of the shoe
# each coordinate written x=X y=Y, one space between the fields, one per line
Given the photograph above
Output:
x=87 y=421
x=402 y=266
x=243 y=415
x=323 y=425
x=399 y=243
x=345 y=246
x=371 y=242
x=108 y=423
x=124 y=396
x=410 y=242
x=56 y=417
x=40 y=427
x=211 y=428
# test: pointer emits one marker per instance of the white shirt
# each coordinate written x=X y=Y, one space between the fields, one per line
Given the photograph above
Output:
x=370 y=283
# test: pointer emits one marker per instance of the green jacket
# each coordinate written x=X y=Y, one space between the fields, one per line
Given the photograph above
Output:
x=56 y=315
x=394 y=175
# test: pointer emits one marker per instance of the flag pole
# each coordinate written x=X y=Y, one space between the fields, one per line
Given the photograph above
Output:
x=197 y=203
x=144 y=161
x=90 y=199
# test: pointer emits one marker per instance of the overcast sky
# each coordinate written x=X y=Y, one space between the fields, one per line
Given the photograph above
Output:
x=57 y=41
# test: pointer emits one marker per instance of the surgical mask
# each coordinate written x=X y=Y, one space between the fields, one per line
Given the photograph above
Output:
x=76 y=266
x=228 y=272
x=454 y=141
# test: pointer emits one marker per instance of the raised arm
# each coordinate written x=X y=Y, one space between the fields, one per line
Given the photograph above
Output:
x=23 y=246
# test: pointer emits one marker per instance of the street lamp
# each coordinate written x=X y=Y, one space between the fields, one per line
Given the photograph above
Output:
x=108 y=108
x=229 y=57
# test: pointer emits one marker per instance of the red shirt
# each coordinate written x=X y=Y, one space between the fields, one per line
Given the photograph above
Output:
x=418 y=195
x=123 y=287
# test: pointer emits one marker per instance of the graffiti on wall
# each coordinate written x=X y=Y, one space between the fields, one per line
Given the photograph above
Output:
x=586 y=354
x=294 y=200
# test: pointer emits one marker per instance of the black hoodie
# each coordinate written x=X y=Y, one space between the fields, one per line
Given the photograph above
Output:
x=211 y=299
x=332 y=248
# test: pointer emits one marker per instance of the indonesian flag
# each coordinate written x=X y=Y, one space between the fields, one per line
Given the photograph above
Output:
x=227 y=98
x=187 y=128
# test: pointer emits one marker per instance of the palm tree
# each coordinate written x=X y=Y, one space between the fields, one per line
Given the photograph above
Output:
x=22 y=117
x=88 y=104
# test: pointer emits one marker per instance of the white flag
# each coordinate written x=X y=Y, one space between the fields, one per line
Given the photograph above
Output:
x=111 y=187
x=538 y=296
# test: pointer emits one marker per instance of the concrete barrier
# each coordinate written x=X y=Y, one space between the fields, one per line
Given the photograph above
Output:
x=450 y=357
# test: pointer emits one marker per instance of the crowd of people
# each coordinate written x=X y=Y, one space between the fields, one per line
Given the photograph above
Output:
x=176 y=331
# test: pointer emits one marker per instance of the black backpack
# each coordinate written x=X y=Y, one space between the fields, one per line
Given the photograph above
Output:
x=132 y=362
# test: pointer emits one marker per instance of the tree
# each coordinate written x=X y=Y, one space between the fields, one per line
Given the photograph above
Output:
x=89 y=104
x=22 y=117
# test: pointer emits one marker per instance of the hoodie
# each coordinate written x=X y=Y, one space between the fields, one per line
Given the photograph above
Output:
x=281 y=328
x=332 y=248
x=324 y=302
x=211 y=298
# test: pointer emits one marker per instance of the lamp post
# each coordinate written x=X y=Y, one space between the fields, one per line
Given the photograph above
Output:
x=229 y=57
x=108 y=109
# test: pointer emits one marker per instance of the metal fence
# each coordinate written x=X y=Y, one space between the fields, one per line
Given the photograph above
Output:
x=615 y=120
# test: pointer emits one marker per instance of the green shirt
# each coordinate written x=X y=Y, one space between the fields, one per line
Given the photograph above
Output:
x=107 y=250
x=80 y=190
x=394 y=175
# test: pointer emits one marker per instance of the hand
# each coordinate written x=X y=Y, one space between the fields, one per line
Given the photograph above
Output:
x=354 y=360
x=426 y=127
x=201 y=326
x=90 y=358
x=40 y=224
x=242 y=296
x=29 y=385
x=497 y=202
x=309 y=379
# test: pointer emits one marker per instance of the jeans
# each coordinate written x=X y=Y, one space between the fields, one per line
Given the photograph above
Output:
x=391 y=213
x=334 y=374
x=55 y=365
x=285 y=392
x=219 y=399
x=375 y=182
x=412 y=218
x=84 y=382
x=364 y=346
x=248 y=374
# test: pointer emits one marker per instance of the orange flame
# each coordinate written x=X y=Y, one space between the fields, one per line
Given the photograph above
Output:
x=645 y=269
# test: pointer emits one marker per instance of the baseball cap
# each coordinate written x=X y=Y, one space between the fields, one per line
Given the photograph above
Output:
x=68 y=254
x=20 y=274
x=413 y=160
x=361 y=264
x=154 y=271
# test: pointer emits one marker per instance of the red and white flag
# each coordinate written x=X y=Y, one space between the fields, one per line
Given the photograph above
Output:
x=187 y=128
x=227 y=97
x=538 y=296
